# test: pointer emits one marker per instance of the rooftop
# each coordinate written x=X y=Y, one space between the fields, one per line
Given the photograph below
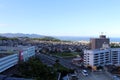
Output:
x=95 y=50
x=8 y=50
x=17 y=48
x=5 y=54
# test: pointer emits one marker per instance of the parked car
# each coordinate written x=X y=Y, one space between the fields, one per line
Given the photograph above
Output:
x=84 y=72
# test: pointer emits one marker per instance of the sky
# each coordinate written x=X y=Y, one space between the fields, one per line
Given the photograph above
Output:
x=61 y=17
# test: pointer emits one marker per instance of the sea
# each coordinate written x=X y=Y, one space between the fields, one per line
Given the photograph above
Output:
x=70 y=38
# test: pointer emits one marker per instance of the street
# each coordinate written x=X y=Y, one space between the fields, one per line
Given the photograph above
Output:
x=50 y=60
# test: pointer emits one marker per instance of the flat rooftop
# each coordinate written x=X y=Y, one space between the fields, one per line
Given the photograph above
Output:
x=104 y=49
x=5 y=54
x=8 y=50
x=5 y=48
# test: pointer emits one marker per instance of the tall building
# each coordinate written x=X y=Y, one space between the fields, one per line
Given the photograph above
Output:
x=97 y=43
x=101 y=54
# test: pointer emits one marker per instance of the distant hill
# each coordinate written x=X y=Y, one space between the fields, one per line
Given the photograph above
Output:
x=72 y=38
x=11 y=35
x=47 y=38
x=67 y=38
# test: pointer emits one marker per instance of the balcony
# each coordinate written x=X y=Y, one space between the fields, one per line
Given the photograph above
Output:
x=115 y=58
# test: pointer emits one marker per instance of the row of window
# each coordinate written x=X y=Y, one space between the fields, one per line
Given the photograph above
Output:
x=8 y=65
x=8 y=60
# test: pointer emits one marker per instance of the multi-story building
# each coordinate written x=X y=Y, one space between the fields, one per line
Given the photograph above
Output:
x=9 y=56
x=96 y=57
x=97 y=43
x=26 y=53
x=115 y=56
x=101 y=54
x=7 y=60
x=101 y=57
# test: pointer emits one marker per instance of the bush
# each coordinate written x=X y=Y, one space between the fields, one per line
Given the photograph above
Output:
x=35 y=69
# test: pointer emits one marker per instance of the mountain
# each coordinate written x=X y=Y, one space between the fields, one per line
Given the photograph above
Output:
x=72 y=38
x=11 y=35
x=68 y=38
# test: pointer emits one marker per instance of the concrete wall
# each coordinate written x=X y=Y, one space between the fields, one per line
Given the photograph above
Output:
x=8 y=61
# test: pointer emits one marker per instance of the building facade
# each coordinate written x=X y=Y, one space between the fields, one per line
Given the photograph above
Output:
x=8 y=59
x=97 y=43
x=115 y=56
x=101 y=57
x=26 y=53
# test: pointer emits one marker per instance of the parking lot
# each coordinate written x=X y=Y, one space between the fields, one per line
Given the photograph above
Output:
x=94 y=76
x=100 y=76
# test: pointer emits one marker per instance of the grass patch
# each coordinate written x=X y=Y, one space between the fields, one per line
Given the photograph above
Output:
x=65 y=55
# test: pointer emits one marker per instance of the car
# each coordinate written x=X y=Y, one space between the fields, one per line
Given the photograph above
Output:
x=84 y=72
x=74 y=77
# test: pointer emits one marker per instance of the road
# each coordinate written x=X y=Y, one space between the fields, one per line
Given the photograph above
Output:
x=46 y=59
x=50 y=60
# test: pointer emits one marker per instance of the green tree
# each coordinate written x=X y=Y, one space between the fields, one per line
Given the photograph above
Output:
x=35 y=69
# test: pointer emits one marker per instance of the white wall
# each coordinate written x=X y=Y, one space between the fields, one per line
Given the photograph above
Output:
x=28 y=52
x=11 y=60
x=7 y=62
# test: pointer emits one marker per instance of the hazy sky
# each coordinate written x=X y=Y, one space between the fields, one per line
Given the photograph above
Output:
x=61 y=17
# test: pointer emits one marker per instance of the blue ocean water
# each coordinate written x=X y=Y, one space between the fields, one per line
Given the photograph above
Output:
x=84 y=38
x=115 y=39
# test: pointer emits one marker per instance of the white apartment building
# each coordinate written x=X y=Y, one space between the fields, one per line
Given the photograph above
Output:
x=26 y=53
x=101 y=57
x=115 y=56
x=10 y=56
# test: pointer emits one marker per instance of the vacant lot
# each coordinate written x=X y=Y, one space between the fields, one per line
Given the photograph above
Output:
x=66 y=55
